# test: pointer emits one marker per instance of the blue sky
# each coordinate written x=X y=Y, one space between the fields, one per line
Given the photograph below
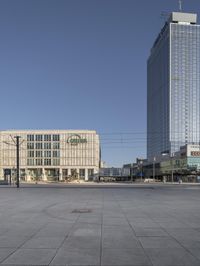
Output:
x=81 y=64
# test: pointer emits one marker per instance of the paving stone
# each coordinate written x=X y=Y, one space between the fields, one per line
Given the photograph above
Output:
x=5 y=252
x=44 y=242
x=90 y=219
x=159 y=242
x=11 y=241
x=125 y=257
x=83 y=229
x=143 y=222
x=77 y=257
x=115 y=221
x=124 y=239
x=147 y=231
x=54 y=231
x=195 y=252
x=25 y=232
x=192 y=244
x=82 y=242
x=124 y=243
x=172 y=257
x=31 y=257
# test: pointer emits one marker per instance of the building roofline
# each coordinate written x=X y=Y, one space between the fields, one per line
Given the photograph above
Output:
x=48 y=130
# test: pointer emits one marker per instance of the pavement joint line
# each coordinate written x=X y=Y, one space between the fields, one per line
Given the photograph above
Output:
x=182 y=245
x=135 y=233
x=101 y=248
x=17 y=248
x=164 y=229
x=67 y=236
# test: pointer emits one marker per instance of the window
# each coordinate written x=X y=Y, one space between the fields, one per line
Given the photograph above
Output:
x=38 y=161
x=56 y=161
x=30 y=137
x=47 y=161
x=30 y=146
x=30 y=153
x=56 y=137
x=82 y=172
x=65 y=172
x=38 y=145
x=38 y=137
x=56 y=153
x=47 y=145
x=47 y=137
x=56 y=145
x=30 y=162
x=38 y=154
x=90 y=172
x=47 y=153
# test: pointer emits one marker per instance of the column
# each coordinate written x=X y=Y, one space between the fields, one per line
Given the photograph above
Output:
x=1 y=172
x=69 y=172
x=77 y=170
x=44 y=178
x=27 y=176
x=60 y=174
x=86 y=174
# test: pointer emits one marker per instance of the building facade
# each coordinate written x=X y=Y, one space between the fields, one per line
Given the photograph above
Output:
x=50 y=154
x=173 y=86
x=184 y=165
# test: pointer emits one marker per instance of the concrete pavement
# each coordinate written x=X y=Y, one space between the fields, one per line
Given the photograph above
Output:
x=100 y=225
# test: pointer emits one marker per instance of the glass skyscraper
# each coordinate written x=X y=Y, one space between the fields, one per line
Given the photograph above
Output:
x=173 y=86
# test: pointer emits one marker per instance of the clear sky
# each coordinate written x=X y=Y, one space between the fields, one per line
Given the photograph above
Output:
x=81 y=64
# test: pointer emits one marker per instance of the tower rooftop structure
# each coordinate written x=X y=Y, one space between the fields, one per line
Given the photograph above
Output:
x=180 y=17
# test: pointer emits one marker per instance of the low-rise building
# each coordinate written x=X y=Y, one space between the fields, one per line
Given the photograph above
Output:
x=50 y=154
x=184 y=164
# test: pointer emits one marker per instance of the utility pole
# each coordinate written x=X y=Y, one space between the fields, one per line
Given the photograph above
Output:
x=172 y=169
x=17 y=145
x=17 y=158
x=131 y=173
x=141 y=174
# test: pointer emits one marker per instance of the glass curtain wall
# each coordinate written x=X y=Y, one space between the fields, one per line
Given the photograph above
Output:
x=185 y=85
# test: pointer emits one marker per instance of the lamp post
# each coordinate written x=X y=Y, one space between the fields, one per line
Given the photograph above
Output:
x=17 y=158
x=17 y=145
x=172 y=170
x=131 y=172
x=141 y=162
x=154 y=160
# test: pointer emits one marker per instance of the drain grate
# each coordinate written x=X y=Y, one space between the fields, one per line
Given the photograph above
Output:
x=82 y=211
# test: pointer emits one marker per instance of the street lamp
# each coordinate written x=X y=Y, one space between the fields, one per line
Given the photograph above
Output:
x=17 y=145
x=141 y=162
x=172 y=170
x=154 y=160
x=131 y=172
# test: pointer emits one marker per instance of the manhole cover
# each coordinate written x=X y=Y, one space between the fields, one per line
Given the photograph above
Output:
x=81 y=211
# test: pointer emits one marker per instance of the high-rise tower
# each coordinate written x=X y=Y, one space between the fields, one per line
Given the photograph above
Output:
x=173 y=86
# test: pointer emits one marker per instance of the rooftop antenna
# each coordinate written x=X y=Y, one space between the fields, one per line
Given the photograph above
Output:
x=180 y=5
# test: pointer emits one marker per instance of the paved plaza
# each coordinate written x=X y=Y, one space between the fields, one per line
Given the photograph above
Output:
x=100 y=225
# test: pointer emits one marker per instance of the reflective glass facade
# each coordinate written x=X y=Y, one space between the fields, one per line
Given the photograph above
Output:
x=158 y=95
x=173 y=96
x=185 y=85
